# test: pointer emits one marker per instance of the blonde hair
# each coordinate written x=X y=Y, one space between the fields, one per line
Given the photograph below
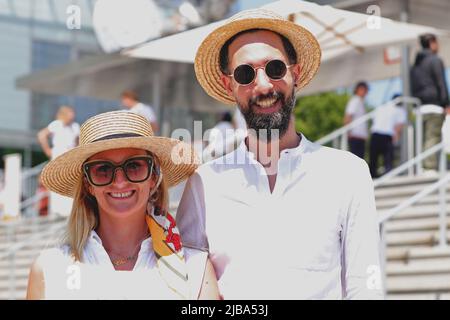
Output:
x=85 y=216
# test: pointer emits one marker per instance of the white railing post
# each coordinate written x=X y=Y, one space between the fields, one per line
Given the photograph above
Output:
x=442 y=200
x=410 y=133
x=419 y=138
x=384 y=258
x=11 y=258
x=13 y=185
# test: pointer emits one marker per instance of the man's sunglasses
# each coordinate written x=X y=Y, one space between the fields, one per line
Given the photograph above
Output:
x=245 y=74
x=102 y=172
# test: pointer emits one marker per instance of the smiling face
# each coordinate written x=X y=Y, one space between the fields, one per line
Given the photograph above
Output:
x=121 y=198
x=265 y=103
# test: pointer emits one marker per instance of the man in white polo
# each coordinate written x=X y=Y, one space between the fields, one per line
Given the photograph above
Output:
x=280 y=216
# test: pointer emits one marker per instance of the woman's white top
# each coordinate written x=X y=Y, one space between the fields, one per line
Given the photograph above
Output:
x=96 y=278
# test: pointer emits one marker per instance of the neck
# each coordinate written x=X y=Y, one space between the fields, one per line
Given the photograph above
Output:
x=271 y=150
x=122 y=235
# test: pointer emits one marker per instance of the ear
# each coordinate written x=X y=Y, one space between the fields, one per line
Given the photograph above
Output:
x=296 y=71
x=226 y=82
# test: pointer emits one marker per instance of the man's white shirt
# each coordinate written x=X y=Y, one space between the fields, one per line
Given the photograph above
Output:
x=145 y=111
x=314 y=237
x=355 y=108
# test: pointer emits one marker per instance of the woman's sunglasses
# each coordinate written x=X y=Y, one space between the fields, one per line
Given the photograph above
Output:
x=245 y=74
x=102 y=172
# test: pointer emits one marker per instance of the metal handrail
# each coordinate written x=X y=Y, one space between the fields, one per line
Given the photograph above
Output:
x=33 y=171
x=410 y=163
x=387 y=214
x=368 y=116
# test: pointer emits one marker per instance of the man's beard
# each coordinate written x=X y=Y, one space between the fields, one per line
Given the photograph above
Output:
x=262 y=124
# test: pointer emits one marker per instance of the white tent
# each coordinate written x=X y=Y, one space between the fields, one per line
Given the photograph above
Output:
x=354 y=46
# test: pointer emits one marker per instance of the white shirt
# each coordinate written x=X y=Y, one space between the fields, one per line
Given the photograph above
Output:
x=355 y=108
x=96 y=277
x=314 y=237
x=145 y=111
x=64 y=137
x=387 y=117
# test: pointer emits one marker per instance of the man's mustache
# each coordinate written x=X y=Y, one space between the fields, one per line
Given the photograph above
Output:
x=270 y=95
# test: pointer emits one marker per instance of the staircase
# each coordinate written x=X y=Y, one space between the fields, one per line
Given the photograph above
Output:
x=38 y=232
x=416 y=267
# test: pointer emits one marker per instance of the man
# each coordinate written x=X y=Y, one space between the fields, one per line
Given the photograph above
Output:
x=429 y=85
x=386 y=130
x=130 y=100
x=355 y=109
x=294 y=222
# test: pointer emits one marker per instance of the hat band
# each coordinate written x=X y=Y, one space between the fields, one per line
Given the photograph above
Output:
x=118 y=136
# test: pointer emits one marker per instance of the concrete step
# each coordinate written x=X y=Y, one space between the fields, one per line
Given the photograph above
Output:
x=22 y=262
x=400 y=181
x=418 y=211
x=414 y=237
x=20 y=285
x=404 y=191
x=418 y=224
x=415 y=252
x=18 y=272
x=417 y=267
x=19 y=294
x=387 y=203
x=413 y=296
x=418 y=283
x=39 y=243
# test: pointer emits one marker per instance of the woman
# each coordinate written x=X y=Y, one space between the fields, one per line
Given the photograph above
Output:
x=63 y=132
x=118 y=177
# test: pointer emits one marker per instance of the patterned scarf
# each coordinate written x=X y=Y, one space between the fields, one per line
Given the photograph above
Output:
x=168 y=249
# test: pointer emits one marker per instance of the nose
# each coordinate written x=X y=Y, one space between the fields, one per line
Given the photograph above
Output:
x=263 y=85
x=119 y=176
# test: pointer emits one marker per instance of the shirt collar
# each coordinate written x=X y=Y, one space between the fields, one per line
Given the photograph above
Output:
x=303 y=147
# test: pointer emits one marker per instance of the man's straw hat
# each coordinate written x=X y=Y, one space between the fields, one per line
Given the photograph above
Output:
x=207 y=66
x=114 y=130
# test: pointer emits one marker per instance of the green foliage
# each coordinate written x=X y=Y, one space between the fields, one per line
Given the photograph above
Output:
x=318 y=115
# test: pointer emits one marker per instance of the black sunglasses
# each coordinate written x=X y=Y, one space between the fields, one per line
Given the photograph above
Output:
x=245 y=74
x=102 y=172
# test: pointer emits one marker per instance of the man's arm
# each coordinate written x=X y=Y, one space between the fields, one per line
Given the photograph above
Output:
x=42 y=137
x=191 y=215
x=360 y=241
x=439 y=75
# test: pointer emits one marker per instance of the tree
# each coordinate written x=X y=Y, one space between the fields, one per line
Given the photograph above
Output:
x=318 y=115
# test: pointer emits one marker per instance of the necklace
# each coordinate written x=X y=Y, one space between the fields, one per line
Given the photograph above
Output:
x=121 y=260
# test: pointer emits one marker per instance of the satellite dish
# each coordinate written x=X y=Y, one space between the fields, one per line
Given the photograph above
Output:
x=121 y=24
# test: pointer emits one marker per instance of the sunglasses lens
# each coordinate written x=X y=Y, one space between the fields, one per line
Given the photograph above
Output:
x=101 y=173
x=276 y=69
x=244 y=74
x=137 y=170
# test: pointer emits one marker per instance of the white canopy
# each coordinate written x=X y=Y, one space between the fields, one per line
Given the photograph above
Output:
x=354 y=46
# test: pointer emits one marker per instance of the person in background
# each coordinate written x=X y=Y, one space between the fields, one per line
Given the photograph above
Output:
x=428 y=83
x=355 y=109
x=131 y=101
x=64 y=132
x=221 y=138
x=386 y=130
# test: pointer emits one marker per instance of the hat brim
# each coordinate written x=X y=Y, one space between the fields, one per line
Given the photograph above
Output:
x=178 y=161
x=207 y=67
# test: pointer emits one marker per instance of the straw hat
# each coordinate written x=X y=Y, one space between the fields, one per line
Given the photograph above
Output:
x=207 y=67
x=114 y=130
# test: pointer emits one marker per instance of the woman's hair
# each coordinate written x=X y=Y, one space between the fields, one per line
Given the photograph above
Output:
x=85 y=215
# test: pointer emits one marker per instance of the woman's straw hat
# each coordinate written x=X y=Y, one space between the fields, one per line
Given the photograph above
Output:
x=207 y=66
x=114 y=130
